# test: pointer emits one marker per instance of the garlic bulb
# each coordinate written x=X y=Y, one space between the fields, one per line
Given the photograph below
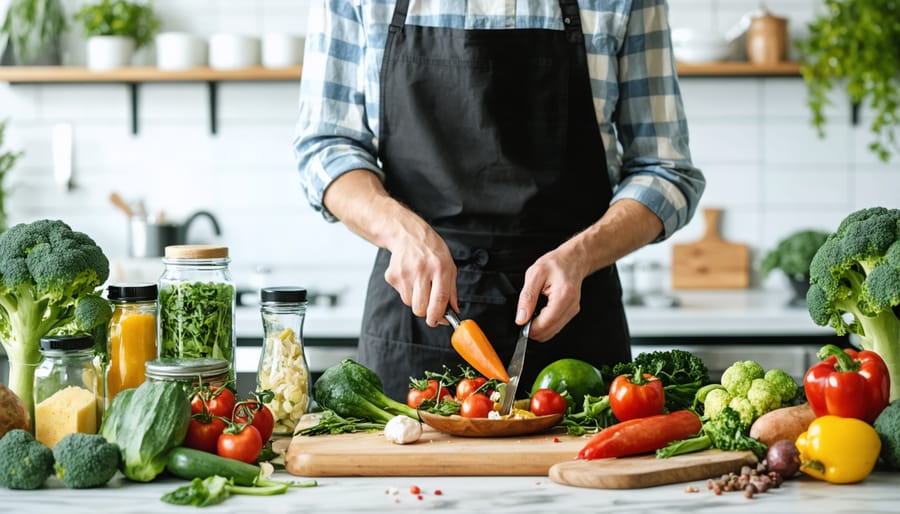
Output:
x=402 y=430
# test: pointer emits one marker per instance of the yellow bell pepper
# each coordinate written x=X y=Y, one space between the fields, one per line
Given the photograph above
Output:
x=838 y=450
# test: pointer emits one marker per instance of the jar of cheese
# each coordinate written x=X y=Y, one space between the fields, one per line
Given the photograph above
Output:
x=67 y=389
x=132 y=335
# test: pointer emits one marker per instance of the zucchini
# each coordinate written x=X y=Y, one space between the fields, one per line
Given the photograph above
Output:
x=188 y=463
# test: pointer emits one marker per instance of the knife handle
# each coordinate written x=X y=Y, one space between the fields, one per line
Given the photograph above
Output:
x=452 y=318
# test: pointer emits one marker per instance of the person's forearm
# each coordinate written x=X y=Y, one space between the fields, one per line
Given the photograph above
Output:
x=358 y=199
x=627 y=226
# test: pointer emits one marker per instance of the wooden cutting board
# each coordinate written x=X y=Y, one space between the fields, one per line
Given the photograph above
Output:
x=711 y=262
x=435 y=454
x=647 y=470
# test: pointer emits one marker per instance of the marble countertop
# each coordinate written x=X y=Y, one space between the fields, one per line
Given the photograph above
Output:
x=880 y=492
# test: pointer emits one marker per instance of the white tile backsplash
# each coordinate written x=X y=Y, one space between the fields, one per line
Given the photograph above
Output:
x=765 y=165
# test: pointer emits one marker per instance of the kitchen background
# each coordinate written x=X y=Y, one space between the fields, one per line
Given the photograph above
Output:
x=751 y=136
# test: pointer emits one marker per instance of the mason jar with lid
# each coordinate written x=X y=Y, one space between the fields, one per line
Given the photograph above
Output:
x=196 y=305
x=68 y=392
x=132 y=335
x=189 y=372
x=283 y=368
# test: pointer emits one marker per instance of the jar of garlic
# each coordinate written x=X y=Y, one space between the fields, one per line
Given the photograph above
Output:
x=283 y=368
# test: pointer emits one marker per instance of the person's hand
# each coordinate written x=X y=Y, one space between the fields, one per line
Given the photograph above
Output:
x=557 y=276
x=423 y=272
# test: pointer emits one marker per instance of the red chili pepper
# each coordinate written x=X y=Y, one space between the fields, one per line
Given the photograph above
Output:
x=848 y=383
x=641 y=435
x=632 y=397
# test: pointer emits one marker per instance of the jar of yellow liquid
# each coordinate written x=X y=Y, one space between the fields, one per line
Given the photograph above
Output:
x=132 y=335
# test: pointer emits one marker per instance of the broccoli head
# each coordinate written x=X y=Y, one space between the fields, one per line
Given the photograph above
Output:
x=25 y=463
x=715 y=402
x=738 y=377
x=783 y=383
x=729 y=431
x=45 y=269
x=887 y=424
x=793 y=254
x=764 y=396
x=745 y=409
x=855 y=284
x=85 y=460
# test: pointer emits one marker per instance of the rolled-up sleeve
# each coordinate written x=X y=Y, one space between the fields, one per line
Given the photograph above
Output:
x=656 y=167
x=332 y=135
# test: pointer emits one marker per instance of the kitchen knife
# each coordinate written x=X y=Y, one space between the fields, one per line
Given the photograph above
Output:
x=515 y=370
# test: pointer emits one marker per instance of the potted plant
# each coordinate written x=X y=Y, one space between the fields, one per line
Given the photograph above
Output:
x=115 y=29
x=855 y=43
x=7 y=161
x=31 y=31
x=792 y=256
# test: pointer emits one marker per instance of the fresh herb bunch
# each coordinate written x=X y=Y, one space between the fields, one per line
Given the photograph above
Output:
x=7 y=161
x=856 y=42
x=120 y=18
x=34 y=27
x=196 y=320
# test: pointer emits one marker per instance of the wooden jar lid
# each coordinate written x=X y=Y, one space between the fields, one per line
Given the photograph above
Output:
x=196 y=252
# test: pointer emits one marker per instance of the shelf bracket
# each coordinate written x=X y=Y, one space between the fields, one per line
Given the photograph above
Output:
x=213 y=87
x=854 y=113
x=133 y=91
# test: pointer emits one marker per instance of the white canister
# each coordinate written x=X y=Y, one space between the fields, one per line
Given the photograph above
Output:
x=179 y=51
x=109 y=52
x=280 y=50
x=233 y=51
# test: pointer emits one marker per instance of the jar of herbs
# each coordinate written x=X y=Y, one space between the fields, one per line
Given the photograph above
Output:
x=132 y=335
x=196 y=305
x=283 y=368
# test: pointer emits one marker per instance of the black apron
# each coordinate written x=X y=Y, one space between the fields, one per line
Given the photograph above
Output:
x=491 y=136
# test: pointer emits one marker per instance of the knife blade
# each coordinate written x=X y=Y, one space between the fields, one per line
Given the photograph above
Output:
x=515 y=370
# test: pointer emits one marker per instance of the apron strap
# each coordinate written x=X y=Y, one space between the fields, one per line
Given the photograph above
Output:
x=399 y=18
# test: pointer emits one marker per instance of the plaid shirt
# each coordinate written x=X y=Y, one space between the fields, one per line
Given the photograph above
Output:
x=632 y=70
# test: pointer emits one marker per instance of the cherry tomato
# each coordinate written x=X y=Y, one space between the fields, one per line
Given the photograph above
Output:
x=547 y=401
x=263 y=419
x=631 y=398
x=467 y=386
x=422 y=390
x=204 y=435
x=219 y=401
x=476 y=406
x=243 y=446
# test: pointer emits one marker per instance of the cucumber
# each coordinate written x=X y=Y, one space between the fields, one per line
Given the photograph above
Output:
x=188 y=463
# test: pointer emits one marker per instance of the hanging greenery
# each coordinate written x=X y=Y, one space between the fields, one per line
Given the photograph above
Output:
x=7 y=161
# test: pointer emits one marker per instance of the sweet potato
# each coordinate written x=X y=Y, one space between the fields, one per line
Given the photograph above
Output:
x=13 y=413
x=783 y=423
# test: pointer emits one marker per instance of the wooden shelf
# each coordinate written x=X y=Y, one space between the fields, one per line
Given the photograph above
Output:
x=136 y=74
x=739 y=69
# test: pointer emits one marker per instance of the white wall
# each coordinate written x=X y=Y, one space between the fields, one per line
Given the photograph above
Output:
x=752 y=137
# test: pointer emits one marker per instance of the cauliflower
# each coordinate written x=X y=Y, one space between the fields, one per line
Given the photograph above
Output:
x=744 y=408
x=738 y=377
x=764 y=396
x=402 y=429
x=716 y=400
x=783 y=383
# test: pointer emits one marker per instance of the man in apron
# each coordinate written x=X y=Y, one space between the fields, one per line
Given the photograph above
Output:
x=492 y=190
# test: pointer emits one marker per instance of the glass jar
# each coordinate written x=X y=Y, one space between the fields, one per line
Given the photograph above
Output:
x=189 y=372
x=67 y=389
x=283 y=368
x=132 y=335
x=196 y=305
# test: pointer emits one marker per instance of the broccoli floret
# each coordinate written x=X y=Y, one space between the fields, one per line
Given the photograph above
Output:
x=793 y=254
x=783 y=383
x=855 y=284
x=764 y=396
x=729 y=431
x=85 y=460
x=46 y=268
x=25 y=463
x=738 y=377
x=681 y=372
x=92 y=315
x=887 y=424
x=744 y=408
x=716 y=400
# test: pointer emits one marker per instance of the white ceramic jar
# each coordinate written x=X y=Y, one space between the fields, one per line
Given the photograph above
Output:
x=233 y=51
x=280 y=50
x=179 y=51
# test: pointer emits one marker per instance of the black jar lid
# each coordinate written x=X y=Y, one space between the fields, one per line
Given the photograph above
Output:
x=132 y=292
x=285 y=294
x=67 y=342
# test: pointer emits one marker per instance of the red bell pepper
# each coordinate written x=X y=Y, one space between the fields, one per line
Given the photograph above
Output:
x=636 y=396
x=848 y=383
x=641 y=435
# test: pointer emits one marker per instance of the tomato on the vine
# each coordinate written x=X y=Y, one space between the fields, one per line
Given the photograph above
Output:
x=263 y=420
x=204 y=434
x=547 y=401
x=244 y=445
x=467 y=386
x=421 y=390
x=219 y=401
x=476 y=406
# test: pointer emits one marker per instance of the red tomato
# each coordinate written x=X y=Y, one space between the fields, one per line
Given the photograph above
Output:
x=547 y=401
x=219 y=401
x=467 y=386
x=204 y=436
x=476 y=406
x=421 y=391
x=631 y=399
x=263 y=419
x=243 y=446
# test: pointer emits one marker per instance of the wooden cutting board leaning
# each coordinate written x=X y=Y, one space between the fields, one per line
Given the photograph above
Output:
x=648 y=471
x=711 y=262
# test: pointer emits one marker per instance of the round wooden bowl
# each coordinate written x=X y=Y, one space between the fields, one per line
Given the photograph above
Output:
x=485 y=427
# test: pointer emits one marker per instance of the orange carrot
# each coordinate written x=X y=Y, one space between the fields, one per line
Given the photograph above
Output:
x=473 y=346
